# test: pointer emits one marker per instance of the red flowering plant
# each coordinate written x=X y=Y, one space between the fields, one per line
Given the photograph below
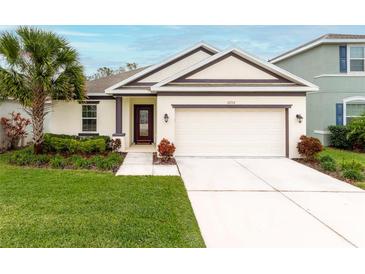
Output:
x=166 y=149
x=14 y=128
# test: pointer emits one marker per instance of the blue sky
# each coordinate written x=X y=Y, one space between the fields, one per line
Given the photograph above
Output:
x=113 y=46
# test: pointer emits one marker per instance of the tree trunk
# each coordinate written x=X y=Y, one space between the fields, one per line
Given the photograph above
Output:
x=37 y=121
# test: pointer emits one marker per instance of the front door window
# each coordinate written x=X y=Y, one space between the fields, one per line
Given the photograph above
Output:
x=143 y=124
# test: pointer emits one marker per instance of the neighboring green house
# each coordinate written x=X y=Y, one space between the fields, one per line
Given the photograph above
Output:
x=335 y=63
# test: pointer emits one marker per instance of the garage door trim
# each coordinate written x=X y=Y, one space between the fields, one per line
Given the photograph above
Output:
x=286 y=107
x=228 y=106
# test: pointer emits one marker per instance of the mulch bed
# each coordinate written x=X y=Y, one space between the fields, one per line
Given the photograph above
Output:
x=316 y=165
x=158 y=161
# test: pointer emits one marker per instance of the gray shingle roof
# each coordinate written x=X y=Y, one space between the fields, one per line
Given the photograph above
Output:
x=343 y=36
x=323 y=37
x=99 y=85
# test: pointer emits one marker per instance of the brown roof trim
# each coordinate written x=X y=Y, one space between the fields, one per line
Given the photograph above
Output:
x=112 y=97
x=232 y=81
x=143 y=84
x=218 y=93
x=228 y=106
x=134 y=95
x=172 y=62
x=100 y=97
x=230 y=54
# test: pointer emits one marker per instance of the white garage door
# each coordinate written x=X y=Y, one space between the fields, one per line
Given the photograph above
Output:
x=230 y=132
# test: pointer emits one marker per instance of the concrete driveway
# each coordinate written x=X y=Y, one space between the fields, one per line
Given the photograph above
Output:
x=272 y=202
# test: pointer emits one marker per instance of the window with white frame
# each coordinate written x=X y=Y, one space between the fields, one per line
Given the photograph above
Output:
x=357 y=58
x=89 y=118
x=353 y=107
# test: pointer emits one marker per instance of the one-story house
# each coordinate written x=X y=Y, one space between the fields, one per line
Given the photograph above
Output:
x=207 y=102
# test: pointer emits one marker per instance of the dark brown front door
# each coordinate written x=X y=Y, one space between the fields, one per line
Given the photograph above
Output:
x=143 y=124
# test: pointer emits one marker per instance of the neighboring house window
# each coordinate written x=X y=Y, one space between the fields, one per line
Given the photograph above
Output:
x=357 y=59
x=343 y=58
x=353 y=107
x=89 y=118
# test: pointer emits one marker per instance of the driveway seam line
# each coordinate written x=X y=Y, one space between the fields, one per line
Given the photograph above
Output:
x=298 y=205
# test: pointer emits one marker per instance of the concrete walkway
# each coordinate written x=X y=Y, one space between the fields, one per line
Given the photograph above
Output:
x=141 y=163
x=272 y=203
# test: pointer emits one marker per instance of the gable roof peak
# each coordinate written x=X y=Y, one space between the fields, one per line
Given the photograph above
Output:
x=259 y=62
x=171 y=59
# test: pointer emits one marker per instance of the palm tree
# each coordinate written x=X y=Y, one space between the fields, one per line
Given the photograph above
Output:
x=39 y=65
x=131 y=66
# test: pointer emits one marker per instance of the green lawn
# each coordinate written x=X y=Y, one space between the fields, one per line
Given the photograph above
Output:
x=339 y=155
x=69 y=208
x=344 y=155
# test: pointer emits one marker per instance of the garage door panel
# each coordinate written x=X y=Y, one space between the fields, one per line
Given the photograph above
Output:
x=230 y=132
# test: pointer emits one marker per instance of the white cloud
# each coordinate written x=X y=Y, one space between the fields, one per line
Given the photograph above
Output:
x=77 y=33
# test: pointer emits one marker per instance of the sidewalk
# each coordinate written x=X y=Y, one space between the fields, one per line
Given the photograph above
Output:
x=141 y=163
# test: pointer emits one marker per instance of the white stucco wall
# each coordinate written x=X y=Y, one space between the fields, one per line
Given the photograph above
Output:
x=167 y=130
x=231 y=68
x=8 y=106
x=66 y=117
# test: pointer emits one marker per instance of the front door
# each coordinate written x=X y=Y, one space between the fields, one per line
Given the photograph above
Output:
x=143 y=124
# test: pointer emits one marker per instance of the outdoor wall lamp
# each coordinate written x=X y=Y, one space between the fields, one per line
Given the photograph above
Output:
x=166 y=117
x=299 y=118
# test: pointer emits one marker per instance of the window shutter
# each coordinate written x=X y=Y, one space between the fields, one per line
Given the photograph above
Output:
x=343 y=58
x=339 y=114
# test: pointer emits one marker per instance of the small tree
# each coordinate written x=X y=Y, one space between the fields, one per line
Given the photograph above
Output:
x=308 y=147
x=356 y=132
x=15 y=128
x=166 y=149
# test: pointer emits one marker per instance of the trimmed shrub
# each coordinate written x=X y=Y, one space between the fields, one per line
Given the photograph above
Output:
x=109 y=162
x=27 y=157
x=326 y=158
x=98 y=161
x=23 y=157
x=328 y=166
x=166 y=149
x=354 y=165
x=92 y=145
x=338 y=137
x=308 y=147
x=106 y=139
x=353 y=174
x=58 y=162
x=328 y=163
x=73 y=144
x=42 y=159
x=356 y=133
x=63 y=136
x=78 y=162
